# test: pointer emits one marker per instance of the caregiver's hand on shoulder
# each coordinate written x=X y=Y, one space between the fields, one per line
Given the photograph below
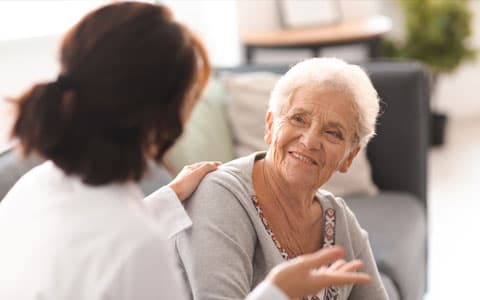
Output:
x=190 y=176
x=308 y=274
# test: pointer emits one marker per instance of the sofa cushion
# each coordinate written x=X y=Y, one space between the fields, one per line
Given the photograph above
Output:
x=247 y=103
x=207 y=135
x=248 y=95
x=396 y=224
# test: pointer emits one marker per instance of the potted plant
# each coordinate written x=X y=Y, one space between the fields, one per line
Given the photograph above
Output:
x=436 y=34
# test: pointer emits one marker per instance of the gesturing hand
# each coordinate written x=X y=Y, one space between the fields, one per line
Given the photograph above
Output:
x=190 y=176
x=308 y=274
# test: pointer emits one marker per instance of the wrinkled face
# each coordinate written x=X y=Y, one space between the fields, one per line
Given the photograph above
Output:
x=312 y=136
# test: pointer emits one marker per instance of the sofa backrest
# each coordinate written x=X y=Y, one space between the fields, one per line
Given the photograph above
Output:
x=398 y=153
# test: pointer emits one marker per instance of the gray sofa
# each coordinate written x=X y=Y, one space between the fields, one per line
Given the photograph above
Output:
x=396 y=218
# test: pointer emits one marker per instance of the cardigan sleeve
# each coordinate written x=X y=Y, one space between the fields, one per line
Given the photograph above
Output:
x=266 y=291
x=167 y=210
x=216 y=254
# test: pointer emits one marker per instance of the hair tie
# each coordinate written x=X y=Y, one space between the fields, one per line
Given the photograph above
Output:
x=64 y=82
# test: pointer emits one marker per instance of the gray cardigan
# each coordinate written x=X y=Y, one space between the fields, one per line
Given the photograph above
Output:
x=228 y=251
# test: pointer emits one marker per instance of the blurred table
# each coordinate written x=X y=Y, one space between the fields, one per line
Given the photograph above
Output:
x=366 y=31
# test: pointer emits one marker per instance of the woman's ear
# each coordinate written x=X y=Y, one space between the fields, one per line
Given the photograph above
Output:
x=268 y=127
x=345 y=165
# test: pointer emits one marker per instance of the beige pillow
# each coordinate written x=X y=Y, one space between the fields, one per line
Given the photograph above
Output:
x=247 y=102
x=207 y=135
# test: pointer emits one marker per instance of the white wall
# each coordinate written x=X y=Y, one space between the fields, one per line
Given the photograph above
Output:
x=216 y=23
x=25 y=61
x=28 y=52
x=30 y=33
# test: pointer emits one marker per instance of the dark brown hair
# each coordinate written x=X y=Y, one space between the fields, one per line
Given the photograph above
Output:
x=127 y=70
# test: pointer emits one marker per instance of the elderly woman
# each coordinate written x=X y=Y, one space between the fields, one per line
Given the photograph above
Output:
x=262 y=209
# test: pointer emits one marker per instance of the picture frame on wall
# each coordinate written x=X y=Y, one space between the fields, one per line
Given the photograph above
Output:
x=308 y=13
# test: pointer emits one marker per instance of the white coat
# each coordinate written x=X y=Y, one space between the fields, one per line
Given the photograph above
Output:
x=62 y=239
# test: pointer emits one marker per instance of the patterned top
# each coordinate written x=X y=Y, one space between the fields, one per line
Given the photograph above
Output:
x=330 y=293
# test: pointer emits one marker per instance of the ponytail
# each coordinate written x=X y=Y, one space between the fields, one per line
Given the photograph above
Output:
x=43 y=115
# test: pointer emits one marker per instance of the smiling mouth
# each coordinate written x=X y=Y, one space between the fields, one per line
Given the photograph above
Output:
x=302 y=158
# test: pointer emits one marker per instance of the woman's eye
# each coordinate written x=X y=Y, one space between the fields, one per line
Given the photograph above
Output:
x=298 y=119
x=336 y=134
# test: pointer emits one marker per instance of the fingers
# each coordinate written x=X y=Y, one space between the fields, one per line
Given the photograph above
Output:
x=351 y=266
x=188 y=179
x=340 y=278
x=342 y=266
x=339 y=272
x=206 y=167
x=342 y=272
x=337 y=265
x=307 y=274
x=322 y=257
x=209 y=165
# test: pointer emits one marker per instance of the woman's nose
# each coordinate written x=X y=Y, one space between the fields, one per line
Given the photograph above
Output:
x=312 y=138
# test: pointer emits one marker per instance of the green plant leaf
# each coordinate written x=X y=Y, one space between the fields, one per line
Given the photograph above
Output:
x=437 y=34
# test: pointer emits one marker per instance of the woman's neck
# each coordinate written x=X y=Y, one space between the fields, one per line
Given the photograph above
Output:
x=293 y=214
x=284 y=195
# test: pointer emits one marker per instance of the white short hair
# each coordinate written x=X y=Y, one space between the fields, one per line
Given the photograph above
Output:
x=337 y=74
